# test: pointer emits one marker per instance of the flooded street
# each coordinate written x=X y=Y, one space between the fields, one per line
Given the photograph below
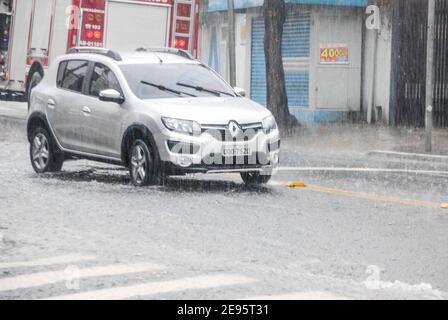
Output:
x=365 y=226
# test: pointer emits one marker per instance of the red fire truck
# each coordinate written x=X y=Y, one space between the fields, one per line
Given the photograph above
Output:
x=43 y=29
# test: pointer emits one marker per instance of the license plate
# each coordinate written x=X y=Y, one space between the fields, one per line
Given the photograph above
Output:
x=236 y=151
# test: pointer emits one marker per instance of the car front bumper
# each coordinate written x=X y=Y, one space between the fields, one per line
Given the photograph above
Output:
x=207 y=154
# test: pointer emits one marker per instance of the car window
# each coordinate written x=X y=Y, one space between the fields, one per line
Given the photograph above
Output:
x=74 y=75
x=61 y=71
x=102 y=78
x=173 y=76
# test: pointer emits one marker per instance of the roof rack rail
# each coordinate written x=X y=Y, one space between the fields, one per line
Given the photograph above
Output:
x=103 y=51
x=175 y=51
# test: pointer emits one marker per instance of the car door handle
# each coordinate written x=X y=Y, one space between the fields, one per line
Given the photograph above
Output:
x=51 y=103
x=86 y=110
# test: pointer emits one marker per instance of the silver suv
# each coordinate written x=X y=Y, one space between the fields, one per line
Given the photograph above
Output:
x=158 y=112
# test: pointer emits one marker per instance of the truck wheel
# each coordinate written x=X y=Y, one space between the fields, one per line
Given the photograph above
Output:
x=141 y=164
x=44 y=155
x=36 y=77
x=255 y=178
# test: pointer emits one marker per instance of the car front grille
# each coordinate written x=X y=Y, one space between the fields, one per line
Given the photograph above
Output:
x=246 y=132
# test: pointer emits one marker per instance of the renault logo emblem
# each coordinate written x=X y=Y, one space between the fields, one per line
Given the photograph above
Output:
x=234 y=129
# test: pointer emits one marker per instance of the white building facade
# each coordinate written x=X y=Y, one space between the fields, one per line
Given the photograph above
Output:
x=322 y=54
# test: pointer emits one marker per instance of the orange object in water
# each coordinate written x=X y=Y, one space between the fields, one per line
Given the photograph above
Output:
x=297 y=185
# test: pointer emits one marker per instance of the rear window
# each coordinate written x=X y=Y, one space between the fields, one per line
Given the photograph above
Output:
x=61 y=71
x=71 y=74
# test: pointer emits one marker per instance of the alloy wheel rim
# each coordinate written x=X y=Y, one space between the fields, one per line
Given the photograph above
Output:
x=138 y=164
x=40 y=152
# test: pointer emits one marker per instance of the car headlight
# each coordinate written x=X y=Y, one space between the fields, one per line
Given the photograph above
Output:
x=182 y=126
x=269 y=124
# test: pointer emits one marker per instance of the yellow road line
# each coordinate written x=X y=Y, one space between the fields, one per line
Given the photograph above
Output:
x=374 y=197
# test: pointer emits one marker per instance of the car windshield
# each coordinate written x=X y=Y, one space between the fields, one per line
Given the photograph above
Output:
x=165 y=80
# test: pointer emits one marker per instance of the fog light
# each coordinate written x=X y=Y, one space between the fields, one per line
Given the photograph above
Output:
x=184 y=162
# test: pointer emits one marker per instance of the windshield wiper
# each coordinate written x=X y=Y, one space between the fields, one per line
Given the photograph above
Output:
x=163 y=88
x=199 y=88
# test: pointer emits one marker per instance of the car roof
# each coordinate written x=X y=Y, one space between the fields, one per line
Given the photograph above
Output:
x=153 y=57
x=132 y=57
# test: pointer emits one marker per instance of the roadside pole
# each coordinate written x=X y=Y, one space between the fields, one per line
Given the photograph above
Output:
x=232 y=54
x=429 y=105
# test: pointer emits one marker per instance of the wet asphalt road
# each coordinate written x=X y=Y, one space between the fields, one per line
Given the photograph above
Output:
x=350 y=234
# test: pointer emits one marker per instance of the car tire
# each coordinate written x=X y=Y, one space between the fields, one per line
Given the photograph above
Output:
x=142 y=167
x=255 y=178
x=44 y=155
x=35 y=79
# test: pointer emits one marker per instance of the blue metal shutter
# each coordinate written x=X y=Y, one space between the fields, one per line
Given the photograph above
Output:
x=258 y=66
x=295 y=44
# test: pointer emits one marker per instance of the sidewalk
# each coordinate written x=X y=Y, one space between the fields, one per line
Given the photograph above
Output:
x=367 y=139
x=338 y=138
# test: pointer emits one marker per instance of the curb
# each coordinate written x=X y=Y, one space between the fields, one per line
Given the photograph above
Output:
x=409 y=156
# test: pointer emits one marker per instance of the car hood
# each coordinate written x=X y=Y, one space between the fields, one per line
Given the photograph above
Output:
x=206 y=110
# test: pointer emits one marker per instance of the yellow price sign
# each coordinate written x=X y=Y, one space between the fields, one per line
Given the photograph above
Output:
x=334 y=53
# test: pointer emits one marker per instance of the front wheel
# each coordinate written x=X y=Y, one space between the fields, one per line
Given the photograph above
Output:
x=141 y=164
x=255 y=178
x=43 y=154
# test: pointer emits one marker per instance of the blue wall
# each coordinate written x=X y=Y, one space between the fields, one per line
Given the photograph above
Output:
x=295 y=44
x=219 y=5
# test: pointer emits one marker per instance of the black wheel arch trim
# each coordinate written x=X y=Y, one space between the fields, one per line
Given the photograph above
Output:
x=126 y=141
x=37 y=116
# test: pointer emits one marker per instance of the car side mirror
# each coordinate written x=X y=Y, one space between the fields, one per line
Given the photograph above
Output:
x=240 y=91
x=111 y=95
